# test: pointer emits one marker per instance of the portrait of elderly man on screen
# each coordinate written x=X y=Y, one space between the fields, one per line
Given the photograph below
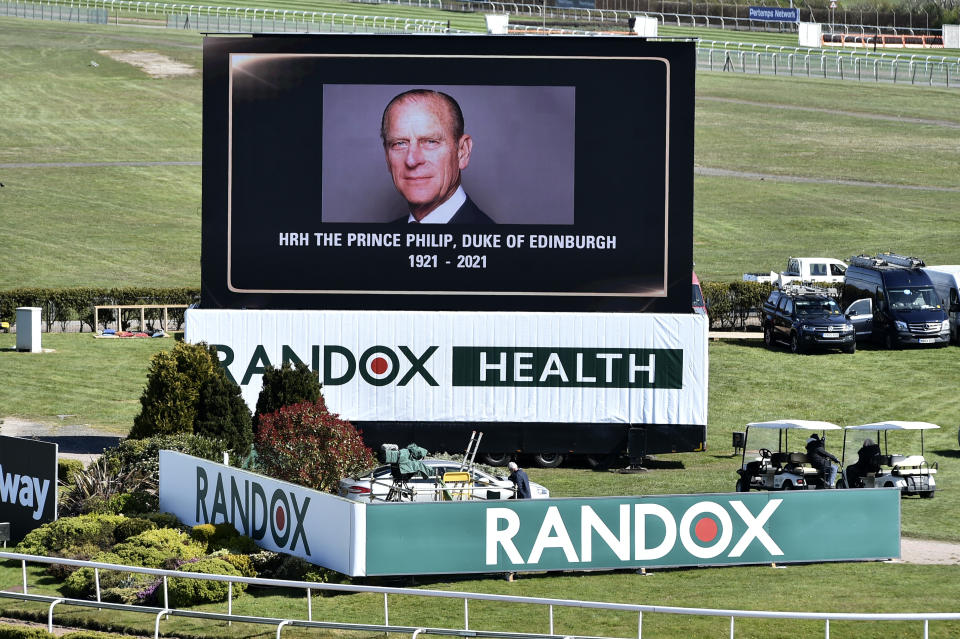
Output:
x=426 y=149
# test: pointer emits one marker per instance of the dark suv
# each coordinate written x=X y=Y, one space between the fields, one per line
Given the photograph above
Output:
x=805 y=318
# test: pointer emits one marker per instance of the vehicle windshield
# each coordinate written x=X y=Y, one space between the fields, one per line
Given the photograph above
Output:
x=826 y=306
x=914 y=298
x=891 y=442
x=697 y=296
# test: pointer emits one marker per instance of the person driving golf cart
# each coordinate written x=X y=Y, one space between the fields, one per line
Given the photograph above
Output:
x=772 y=459
x=868 y=461
x=820 y=459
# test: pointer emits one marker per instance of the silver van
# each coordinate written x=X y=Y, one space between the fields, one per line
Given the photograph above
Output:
x=946 y=282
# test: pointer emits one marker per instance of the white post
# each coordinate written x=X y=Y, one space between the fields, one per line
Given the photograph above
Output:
x=28 y=329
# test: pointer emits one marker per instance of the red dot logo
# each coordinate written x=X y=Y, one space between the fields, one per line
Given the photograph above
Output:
x=705 y=530
x=379 y=365
x=281 y=518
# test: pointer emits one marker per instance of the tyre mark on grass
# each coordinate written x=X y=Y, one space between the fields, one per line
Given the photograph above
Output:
x=853 y=114
x=749 y=175
x=74 y=165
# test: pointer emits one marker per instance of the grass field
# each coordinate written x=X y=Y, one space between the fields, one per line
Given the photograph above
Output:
x=139 y=225
x=122 y=225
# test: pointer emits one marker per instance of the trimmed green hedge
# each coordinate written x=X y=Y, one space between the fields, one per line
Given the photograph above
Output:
x=66 y=304
x=731 y=304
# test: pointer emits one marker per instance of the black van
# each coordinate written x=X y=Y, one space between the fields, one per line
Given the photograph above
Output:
x=890 y=300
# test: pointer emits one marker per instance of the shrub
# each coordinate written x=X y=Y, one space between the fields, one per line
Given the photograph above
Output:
x=115 y=585
x=67 y=468
x=98 y=490
x=285 y=386
x=242 y=563
x=185 y=592
x=308 y=445
x=188 y=392
x=222 y=413
x=132 y=526
x=169 y=401
x=19 y=632
x=85 y=530
x=144 y=454
x=156 y=548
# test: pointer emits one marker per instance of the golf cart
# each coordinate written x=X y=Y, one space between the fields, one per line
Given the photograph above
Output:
x=775 y=458
x=868 y=462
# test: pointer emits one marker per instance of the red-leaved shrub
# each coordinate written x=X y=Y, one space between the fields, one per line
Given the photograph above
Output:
x=308 y=445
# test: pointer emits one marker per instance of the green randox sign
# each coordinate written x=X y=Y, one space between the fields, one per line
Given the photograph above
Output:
x=632 y=532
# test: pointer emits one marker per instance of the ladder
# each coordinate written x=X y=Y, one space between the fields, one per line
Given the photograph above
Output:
x=471 y=454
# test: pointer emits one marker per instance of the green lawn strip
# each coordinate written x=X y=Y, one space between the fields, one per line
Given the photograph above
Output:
x=101 y=226
x=60 y=108
x=747 y=224
x=96 y=381
x=841 y=587
x=818 y=143
x=797 y=94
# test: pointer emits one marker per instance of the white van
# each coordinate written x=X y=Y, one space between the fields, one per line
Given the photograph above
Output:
x=946 y=282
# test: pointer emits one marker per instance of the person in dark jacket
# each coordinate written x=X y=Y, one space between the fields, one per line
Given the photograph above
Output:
x=519 y=478
x=820 y=459
x=868 y=461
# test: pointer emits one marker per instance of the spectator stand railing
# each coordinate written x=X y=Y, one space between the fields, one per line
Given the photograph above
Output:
x=205 y=16
x=546 y=603
x=847 y=64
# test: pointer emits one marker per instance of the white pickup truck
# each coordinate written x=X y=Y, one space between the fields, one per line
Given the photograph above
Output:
x=803 y=270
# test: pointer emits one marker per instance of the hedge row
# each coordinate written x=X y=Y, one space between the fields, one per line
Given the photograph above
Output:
x=66 y=304
x=731 y=304
x=8 y=631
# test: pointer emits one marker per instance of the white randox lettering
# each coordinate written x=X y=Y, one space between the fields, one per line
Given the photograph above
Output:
x=553 y=532
x=640 y=511
x=24 y=490
x=552 y=523
x=496 y=537
x=755 y=528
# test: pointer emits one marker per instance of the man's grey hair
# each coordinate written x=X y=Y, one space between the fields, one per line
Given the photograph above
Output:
x=512 y=466
x=453 y=110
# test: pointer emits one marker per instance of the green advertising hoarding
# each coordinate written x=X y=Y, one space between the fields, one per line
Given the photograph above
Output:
x=632 y=532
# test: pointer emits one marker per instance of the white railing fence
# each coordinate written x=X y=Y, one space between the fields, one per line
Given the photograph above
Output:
x=922 y=619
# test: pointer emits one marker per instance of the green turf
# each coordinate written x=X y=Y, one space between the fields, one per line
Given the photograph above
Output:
x=821 y=588
x=140 y=226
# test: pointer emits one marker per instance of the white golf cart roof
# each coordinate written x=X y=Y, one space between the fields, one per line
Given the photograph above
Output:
x=894 y=426
x=798 y=424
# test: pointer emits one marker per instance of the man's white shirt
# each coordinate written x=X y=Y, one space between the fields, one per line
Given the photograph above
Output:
x=443 y=213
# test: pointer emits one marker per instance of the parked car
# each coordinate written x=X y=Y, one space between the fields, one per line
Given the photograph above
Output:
x=377 y=486
x=890 y=299
x=698 y=303
x=775 y=457
x=946 y=282
x=803 y=270
x=869 y=463
x=804 y=317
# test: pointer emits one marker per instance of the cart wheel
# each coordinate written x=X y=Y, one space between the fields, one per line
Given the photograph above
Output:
x=743 y=486
x=841 y=483
x=788 y=485
x=927 y=495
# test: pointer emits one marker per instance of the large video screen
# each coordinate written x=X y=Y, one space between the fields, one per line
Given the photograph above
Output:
x=447 y=173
